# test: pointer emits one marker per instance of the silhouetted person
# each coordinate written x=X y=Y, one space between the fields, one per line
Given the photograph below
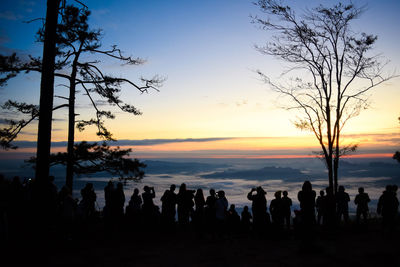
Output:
x=185 y=204
x=320 y=204
x=276 y=209
x=258 y=207
x=342 y=205
x=148 y=207
x=362 y=200
x=88 y=201
x=329 y=216
x=286 y=209
x=246 y=219
x=388 y=205
x=108 y=197
x=67 y=211
x=233 y=219
x=134 y=208
x=119 y=200
x=199 y=203
x=306 y=198
x=168 y=201
x=221 y=206
x=210 y=209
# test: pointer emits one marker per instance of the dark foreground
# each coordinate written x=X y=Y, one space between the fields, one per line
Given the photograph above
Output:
x=347 y=246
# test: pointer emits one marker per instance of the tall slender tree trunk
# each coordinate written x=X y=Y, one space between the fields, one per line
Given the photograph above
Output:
x=71 y=125
x=71 y=136
x=47 y=92
x=336 y=159
x=330 y=170
x=43 y=194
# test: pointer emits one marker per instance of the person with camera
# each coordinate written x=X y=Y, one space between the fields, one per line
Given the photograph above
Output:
x=258 y=207
x=148 y=207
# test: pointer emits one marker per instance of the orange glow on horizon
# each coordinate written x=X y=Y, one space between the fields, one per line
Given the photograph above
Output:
x=374 y=155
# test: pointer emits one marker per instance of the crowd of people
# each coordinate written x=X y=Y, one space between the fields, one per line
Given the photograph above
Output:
x=191 y=208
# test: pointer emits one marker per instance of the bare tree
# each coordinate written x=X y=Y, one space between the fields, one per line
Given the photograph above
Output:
x=334 y=70
x=74 y=40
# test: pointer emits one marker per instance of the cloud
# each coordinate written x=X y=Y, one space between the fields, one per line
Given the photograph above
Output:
x=59 y=119
x=241 y=103
x=371 y=169
x=149 y=142
x=145 y=142
x=163 y=167
x=265 y=173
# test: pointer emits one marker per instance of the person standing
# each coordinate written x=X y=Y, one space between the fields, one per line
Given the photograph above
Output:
x=362 y=200
x=258 y=207
x=286 y=209
x=342 y=205
x=168 y=200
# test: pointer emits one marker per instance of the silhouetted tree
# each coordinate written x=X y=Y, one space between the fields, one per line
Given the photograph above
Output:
x=75 y=41
x=333 y=66
x=90 y=158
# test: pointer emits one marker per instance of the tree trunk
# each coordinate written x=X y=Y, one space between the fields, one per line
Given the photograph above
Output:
x=330 y=170
x=71 y=136
x=71 y=125
x=336 y=159
x=47 y=92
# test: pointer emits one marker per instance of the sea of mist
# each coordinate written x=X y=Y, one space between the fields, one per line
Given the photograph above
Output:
x=237 y=176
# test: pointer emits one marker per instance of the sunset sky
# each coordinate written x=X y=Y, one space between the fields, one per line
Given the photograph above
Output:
x=212 y=103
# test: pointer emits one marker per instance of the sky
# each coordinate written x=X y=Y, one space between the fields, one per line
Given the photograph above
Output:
x=212 y=103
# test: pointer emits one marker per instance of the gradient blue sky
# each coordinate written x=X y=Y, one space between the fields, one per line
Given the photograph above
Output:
x=206 y=51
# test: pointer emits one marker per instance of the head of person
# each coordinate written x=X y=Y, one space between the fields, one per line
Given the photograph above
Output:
x=89 y=186
x=278 y=194
x=221 y=194
x=341 y=188
x=321 y=193
x=172 y=188
x=285 y=193
x=260 y=190
x=246 y=208
x=361 y=190
x=182 y=188
x=307 y=186
x=136 y=191
x=199 y=192
x=212 y=192
x=146 y=189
